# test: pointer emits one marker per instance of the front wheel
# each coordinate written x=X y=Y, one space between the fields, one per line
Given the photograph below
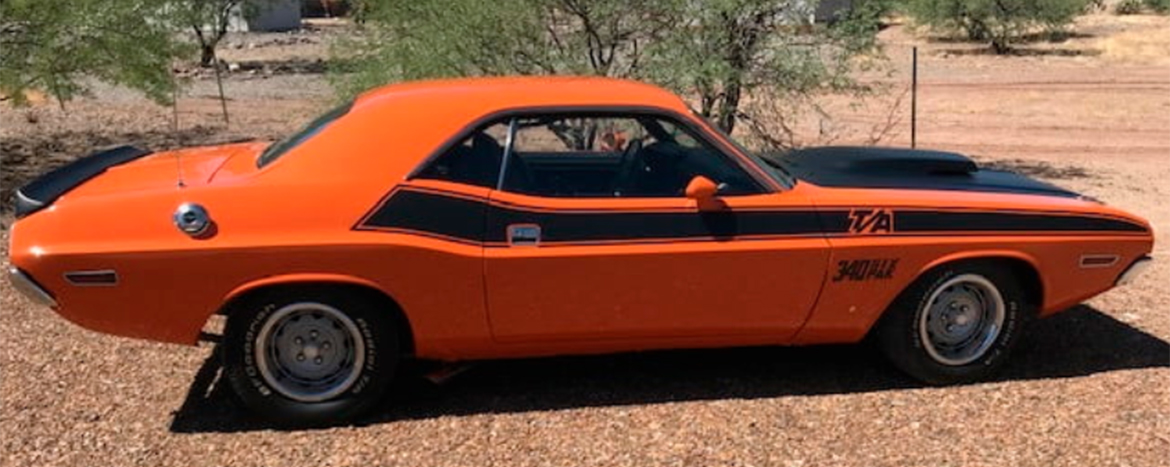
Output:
x=309 y=358
x=956 y=324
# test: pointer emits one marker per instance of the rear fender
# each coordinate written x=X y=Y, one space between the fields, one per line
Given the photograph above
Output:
x=300 y=278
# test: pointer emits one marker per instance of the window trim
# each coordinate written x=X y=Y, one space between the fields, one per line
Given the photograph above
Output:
x=766 y=183
x=500 y=177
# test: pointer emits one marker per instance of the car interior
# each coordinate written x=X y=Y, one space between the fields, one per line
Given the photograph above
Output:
x=591 y=157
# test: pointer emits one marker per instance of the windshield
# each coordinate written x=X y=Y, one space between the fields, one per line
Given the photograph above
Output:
x=279 y=148
x=770 y=166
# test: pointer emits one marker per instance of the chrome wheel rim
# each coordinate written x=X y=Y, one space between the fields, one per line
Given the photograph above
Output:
x=309 y=352
x=962 y=319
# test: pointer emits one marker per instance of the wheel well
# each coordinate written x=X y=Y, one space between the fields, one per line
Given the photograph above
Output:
x=1029 y=279
x=1025 y=273
x=368 y=294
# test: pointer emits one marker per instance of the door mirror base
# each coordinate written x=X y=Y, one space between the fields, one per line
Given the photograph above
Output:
x=704 y=192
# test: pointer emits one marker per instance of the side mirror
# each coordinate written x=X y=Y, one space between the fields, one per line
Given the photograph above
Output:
x=703 y=191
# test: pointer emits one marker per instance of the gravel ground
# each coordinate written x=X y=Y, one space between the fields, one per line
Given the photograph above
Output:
x=1090 y=387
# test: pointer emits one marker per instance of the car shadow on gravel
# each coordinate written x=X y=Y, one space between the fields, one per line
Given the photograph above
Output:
x=1079 y=342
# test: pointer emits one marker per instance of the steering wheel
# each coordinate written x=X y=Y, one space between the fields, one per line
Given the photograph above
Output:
x=629 y=161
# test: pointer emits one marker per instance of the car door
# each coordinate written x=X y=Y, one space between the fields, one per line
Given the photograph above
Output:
x=590 y=236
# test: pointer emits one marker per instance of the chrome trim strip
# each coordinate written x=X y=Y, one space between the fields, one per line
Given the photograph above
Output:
x=77 y=278
x=1134 y=270
x=25 y=285
x=1098 y=261
x=508 y=142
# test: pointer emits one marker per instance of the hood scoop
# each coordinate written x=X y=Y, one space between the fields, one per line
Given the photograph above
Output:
x=888 y=161
x=908 y=169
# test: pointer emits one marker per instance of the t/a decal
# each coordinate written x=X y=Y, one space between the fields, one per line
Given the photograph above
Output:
x=865 y=269
x=871 y=221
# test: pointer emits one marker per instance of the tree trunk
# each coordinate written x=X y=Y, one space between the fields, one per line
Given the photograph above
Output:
x=729 y=106
x=977 y=30
x=207 y=55
x=1000 y=46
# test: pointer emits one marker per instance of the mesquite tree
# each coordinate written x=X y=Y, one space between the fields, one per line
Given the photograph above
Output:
x=716 y=51
x=1001 y=23
x=52 y=46
x=208 y=21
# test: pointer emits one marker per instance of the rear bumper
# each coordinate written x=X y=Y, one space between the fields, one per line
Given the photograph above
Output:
x=29 y=287
x=1134 y=270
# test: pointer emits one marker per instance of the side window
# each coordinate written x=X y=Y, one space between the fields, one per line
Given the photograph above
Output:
x=474 y=161
x=604 y=156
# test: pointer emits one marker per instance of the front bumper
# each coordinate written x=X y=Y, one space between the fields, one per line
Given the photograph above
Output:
x=1134 y=270
x=27 y=286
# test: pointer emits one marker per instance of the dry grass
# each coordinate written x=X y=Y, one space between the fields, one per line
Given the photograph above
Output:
x=1149 y=46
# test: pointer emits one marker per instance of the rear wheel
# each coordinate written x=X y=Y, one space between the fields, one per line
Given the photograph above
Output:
x=955 y=324
x=309 y=358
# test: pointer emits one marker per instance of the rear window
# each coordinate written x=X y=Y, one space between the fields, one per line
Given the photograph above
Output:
x=279 y=148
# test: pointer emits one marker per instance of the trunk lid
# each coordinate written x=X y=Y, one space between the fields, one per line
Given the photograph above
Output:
x=126 y=169
x=194 y=166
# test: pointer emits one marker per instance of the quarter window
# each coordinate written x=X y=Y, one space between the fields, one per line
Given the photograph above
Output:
x=474 y=161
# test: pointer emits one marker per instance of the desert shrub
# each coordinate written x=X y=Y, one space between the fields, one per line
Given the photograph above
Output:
x=1002 y=23
x=1128 y=7
x=1158 y=6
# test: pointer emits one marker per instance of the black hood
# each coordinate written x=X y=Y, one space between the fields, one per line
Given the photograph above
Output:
x=871 y=167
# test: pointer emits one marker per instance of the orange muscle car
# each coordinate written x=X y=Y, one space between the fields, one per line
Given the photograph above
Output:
x=514 y=217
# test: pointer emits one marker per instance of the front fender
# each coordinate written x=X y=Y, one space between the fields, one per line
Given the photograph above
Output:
x=847 y=309
x=979 y=254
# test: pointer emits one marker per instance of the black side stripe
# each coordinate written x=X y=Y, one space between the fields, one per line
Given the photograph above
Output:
x=921 y=221
x=476 y=220
x=588 y=227
x=448 y=216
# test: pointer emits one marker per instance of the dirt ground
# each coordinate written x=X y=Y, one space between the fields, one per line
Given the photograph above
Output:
x=1090 y=387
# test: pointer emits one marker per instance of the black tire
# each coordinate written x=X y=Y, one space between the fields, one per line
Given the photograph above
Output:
x=903 y=328
x=367 y=373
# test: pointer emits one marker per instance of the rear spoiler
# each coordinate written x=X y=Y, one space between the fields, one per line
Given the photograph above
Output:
x=41 y=192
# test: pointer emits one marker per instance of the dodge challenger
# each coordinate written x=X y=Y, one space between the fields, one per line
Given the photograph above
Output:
x=489 y=218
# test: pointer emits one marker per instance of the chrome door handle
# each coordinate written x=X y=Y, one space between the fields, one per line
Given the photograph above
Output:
x=523 y=234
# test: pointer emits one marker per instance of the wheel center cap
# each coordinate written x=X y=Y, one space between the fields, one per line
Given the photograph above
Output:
x=962 y=319
x=311 y=351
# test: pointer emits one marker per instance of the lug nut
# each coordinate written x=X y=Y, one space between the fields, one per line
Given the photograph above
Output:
x=298 y=341
x=300 y=357
x=317 y=360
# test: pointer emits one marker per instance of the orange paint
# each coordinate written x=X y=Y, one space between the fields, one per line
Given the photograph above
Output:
x=293 y=221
